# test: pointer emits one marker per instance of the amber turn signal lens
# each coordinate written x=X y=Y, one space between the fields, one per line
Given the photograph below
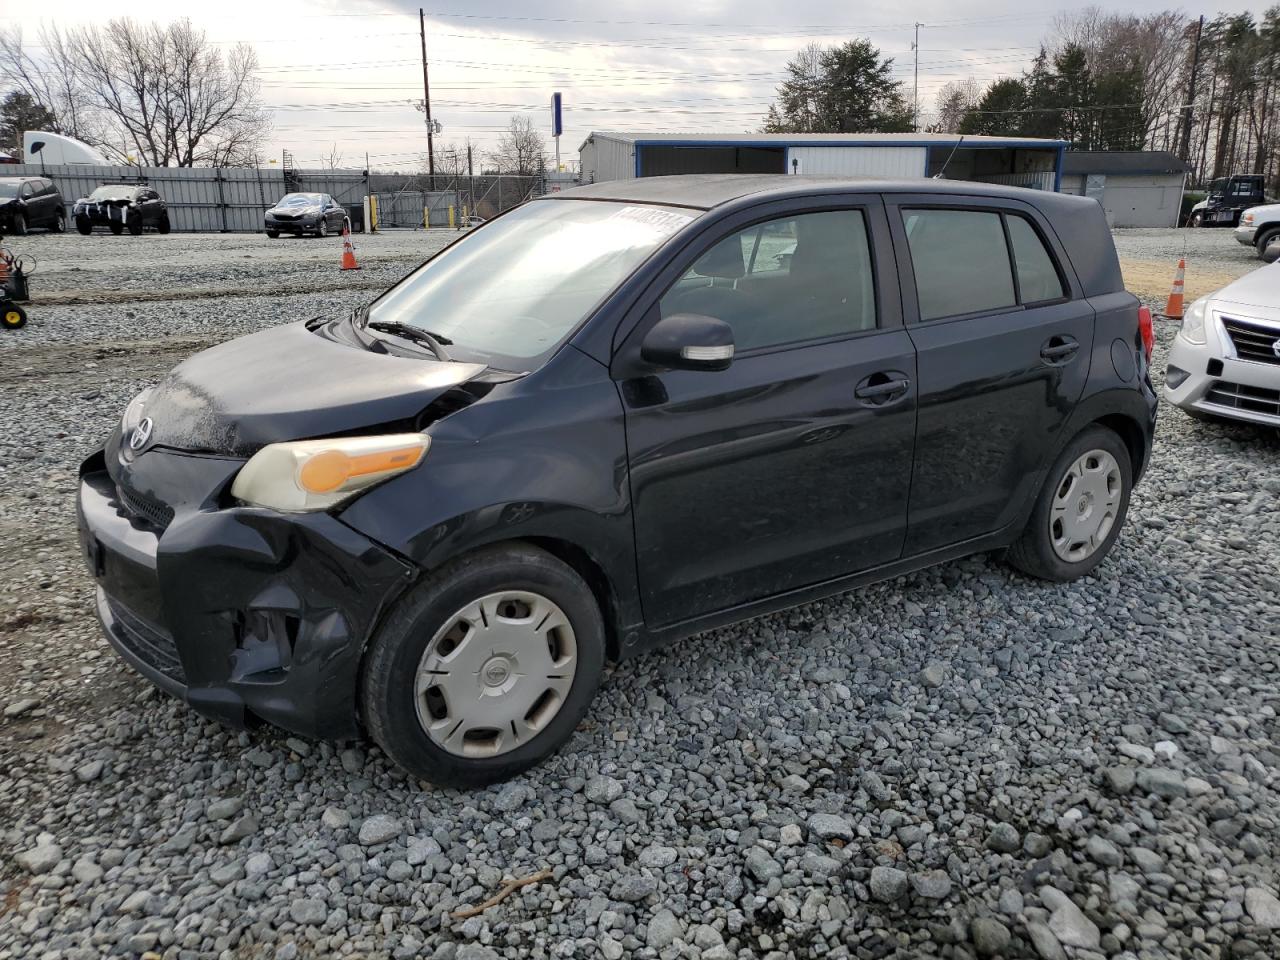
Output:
x=330 y=469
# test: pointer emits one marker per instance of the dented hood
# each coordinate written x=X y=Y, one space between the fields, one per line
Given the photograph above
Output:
x=288 y=383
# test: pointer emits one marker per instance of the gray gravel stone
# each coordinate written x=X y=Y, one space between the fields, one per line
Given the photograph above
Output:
x=308 y=912
x=827 y=826
x=932 y=885
x=633 y=888
x=991 y=938
x=603 y=790
x=1263 y=907
x=664 y=929
x=888 y=884
x=379 y=829
x=41 y=858
x=1068 y=922
x=1004 y=838
x=762 y=866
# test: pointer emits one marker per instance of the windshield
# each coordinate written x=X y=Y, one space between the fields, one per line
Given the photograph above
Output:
x=300 y=200
x=8 y=188
x=514 y=289
x=1217 y=187
x=112 y=192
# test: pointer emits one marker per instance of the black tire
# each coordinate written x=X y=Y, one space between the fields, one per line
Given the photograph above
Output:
x=163 y=226
x=83 y=226
x=116 y=227
x=13 y=317
x=135 y=226
x=1196 y=220
x=1034 y=553
x=1265 y=238
x=19 y=224
x=60 y=222
x=273 y=234
x=387 y=692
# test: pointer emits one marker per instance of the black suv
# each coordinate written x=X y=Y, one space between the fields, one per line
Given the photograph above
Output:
x=30 y=202
x=611 y=418
x=120 y=207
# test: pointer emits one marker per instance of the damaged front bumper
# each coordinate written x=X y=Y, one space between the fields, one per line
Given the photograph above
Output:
x=244 y=613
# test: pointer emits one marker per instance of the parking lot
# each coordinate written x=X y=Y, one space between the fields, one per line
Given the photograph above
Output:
x=961 y=761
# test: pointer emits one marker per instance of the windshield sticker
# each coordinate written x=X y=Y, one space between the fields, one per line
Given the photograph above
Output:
x=668 y=221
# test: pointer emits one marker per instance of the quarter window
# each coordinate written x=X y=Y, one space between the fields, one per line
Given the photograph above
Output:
x=1038 y=278
x=797 y=278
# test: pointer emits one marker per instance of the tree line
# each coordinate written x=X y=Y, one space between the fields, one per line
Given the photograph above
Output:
x=1209 y=93
x=145 y=93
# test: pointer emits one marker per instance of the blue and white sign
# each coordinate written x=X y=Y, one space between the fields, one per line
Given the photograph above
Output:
x=557 y=125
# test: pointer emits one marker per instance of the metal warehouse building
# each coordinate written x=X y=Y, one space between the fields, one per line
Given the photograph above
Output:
x=1140 y=188
x=1009 y=160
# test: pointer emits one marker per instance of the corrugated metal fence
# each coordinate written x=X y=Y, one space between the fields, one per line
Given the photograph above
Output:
x=233 y=199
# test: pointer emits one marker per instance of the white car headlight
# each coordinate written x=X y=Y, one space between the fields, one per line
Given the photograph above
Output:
x=307 y=475
x=1193 y=321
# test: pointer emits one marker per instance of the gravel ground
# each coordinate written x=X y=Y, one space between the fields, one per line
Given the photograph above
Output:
x=1214 y=259
x=958 y=763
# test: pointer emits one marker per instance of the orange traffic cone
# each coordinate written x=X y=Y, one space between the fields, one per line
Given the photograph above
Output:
x=348 y=251
x=1173 y=308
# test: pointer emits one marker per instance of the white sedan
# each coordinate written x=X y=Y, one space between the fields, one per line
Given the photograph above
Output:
x=1225 y=361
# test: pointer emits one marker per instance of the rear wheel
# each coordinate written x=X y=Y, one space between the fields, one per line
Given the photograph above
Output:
x=13 y=317
x=1079 y=511
x=486 y=669
x=135 y=226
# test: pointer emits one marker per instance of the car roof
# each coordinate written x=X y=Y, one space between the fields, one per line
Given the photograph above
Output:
x=705 y=191
x=20 y=179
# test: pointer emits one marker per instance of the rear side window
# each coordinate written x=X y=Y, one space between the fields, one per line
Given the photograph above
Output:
x=1038 y=278
x=961 y=262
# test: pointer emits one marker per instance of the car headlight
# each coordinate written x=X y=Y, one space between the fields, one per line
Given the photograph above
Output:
x=307 y=475
x=1247 y=220
x=1193 y=321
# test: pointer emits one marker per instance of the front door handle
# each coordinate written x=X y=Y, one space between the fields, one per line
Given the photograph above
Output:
x=1059 y=349
x=881 y=388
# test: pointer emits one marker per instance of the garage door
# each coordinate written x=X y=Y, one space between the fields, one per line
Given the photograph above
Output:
x=859 y=161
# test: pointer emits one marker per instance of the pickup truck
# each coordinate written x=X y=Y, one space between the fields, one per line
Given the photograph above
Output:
x=1259 y=227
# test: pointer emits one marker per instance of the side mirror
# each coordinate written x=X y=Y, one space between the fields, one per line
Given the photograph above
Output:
x=689 y=341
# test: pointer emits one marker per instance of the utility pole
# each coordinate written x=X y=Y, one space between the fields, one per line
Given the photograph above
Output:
x=426 y=100
x=1191 y=95
x=915 y=88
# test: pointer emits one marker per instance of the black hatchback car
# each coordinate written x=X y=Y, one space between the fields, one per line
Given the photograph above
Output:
x=120 y=207
x=606 y=419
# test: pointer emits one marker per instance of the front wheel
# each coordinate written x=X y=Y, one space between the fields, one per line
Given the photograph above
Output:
x=1079 y=511
x=20 y=224
x=273 y=234
x=83 y=226
x=484 y=670
x=60 y=222
x=163 y=226
x=135 y=226
x=1197 y=220
x=116 y=227
x=1265 y=239
x=322 y=228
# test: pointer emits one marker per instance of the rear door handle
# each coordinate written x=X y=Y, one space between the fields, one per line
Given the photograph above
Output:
x=1059 y=349
x=881 y=388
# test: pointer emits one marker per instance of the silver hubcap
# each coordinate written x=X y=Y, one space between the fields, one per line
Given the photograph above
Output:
x=496 y=674
x=1084 y=506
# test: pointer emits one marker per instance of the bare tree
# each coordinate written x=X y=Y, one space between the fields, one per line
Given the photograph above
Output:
x=333 y=159
x=157 y=95
x=955 y=100
x=521 y=149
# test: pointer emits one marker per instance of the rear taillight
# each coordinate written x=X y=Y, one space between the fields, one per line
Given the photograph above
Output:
x=1147 y=329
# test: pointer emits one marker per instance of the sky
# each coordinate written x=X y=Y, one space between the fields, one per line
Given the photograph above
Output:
x=341 y=78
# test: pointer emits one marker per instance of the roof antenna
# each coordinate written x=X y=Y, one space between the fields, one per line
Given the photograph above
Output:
x=938 y=175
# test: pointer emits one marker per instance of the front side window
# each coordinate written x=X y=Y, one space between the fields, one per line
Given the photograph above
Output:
x=787 y=280
x=961 y=262
x=513 y=291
